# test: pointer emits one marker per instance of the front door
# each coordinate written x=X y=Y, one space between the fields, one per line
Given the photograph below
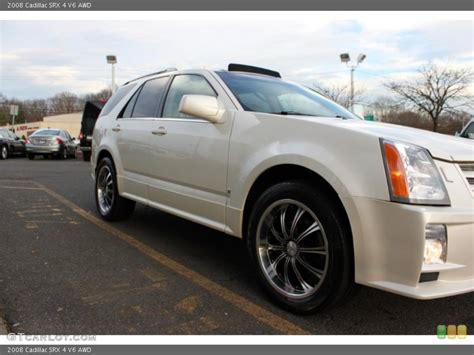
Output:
x=189 y=157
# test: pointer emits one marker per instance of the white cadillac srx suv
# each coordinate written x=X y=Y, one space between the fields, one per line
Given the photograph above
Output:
x=323 y=199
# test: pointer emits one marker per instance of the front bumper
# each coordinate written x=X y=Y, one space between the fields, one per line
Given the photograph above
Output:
x=43 y=149
x=389 y=247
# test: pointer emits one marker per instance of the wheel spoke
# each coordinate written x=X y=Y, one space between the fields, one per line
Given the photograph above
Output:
x=285 y=273
x=300 y=279
x=297 y=217
x=282 y=221
x=316 y=250
x=276 y=234
x=312 y=269
x=278 y=259
x=275 y=247
x=311 y=229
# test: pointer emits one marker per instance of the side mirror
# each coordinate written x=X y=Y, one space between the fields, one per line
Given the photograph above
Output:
x=202 y=106
x=17 y=138
x=73 y=138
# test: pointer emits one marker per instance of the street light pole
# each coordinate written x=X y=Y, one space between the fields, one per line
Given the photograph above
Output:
x=345 y=58
x=112 y=59
x=113 y=79
x=351 y=102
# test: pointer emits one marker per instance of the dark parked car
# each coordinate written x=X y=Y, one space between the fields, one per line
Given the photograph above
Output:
x=91 y=112
x=10 y=144
x=51 y=142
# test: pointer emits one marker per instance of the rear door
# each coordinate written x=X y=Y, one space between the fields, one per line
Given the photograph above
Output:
x=133 y=129
x=188 y=161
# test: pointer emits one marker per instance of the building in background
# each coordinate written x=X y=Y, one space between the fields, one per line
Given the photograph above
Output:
x=71 y=122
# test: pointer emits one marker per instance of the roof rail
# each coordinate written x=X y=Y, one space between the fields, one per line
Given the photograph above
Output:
x=251 y=69
x=151 y=74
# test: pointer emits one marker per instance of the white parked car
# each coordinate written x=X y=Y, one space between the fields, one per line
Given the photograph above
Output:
x=323 y=199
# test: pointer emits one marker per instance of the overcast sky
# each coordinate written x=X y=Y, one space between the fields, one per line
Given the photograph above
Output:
x=41 y=58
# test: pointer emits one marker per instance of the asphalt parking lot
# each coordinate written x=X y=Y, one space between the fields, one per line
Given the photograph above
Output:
x=65 y=271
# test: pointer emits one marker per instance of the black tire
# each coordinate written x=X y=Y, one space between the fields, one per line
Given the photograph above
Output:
x=121 y=208
x=86 y=156
x=31 y=156
x=63 y=154
x=4 y=152
x=337 y=282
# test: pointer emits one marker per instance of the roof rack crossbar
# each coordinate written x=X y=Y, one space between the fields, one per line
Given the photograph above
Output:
x=151 y=74
x=252 y=69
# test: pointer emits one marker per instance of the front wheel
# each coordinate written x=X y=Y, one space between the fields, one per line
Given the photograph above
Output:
x=300 y=244
x=110 y=205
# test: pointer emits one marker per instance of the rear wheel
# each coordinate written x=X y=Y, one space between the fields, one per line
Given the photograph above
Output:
x=86 y=156
x=31 y=156
x=4 y=152
x=63 y=155
x=300 y=244
x=110 y=205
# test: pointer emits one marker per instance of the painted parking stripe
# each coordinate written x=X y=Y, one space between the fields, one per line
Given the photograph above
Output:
x=279 y=324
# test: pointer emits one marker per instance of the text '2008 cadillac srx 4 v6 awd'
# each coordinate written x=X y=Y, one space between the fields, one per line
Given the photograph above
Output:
x=322 y=199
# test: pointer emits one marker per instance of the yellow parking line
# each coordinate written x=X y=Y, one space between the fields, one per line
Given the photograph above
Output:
x=20 y=188
x=279 y=324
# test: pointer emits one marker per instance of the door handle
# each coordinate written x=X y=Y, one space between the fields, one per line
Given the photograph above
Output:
x=116 y=129
x=161 y=131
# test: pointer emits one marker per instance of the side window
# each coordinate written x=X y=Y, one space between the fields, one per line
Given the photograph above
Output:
x=127 y=112
x=116 y=98
x=185 y=85
x=149 y=98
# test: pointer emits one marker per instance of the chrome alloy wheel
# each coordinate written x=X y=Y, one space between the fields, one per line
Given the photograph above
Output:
x=105 y=189
x=292 y=249
x=4 y=152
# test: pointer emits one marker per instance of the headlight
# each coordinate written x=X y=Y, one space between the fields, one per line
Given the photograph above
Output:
x=412 y=175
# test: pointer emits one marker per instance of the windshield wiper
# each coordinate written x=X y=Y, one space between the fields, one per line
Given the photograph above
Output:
x=285 y=113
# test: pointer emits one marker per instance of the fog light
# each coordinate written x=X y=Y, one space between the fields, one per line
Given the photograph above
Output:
x=435 y=244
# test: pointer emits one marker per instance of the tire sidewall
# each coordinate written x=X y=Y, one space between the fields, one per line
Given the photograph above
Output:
x=327 y=214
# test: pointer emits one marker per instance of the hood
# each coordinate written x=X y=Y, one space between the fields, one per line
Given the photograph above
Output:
x=441 y=146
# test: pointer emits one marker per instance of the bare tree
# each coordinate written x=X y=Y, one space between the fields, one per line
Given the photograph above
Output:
x=64 y=102
x=436 y=90
x=102 y=95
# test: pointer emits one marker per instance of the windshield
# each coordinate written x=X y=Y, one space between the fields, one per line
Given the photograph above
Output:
x=46 y=132
x=260 y=93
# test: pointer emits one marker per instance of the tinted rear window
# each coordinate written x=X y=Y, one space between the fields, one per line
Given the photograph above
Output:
x=116 y=98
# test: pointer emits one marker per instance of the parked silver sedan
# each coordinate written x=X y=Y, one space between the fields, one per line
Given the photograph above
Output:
x=50 y=142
